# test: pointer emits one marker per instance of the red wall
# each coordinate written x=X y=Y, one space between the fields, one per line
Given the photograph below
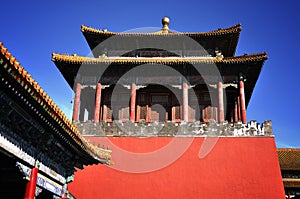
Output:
x=230 y=167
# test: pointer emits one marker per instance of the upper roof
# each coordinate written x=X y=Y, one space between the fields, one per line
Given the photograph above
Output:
x=13 y=70
x=289 y=158
x=220 y=31
x=224 y=40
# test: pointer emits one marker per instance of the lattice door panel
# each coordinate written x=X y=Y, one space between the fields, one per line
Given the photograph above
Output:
x=141 y=113
x=124 y=114
x=107 y=113
x=176 y=113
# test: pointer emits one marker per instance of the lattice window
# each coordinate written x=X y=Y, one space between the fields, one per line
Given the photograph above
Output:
x=124 y=114
x=210 y=113
x=107 y=113
x=154 y=115
x=143 y=114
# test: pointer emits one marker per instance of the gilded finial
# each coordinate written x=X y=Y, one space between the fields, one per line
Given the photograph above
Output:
x=165 y=22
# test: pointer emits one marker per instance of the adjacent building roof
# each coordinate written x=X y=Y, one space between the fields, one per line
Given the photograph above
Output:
x=17 y=83
x=289 y=158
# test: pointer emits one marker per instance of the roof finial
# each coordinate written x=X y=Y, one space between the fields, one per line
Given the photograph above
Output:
x=165 y=22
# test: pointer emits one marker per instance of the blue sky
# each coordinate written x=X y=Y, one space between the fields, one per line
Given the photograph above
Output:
x=32 y=30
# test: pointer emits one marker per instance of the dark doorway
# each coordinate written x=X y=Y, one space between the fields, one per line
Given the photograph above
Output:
x=12 y=182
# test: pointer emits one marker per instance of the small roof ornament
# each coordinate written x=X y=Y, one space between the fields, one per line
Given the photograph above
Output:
x=165 y=22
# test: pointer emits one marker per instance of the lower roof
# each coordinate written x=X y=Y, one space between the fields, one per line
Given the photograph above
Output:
x=229 y=67
x=73 y=59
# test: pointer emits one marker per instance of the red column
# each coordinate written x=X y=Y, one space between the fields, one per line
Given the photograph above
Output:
x=97 y=103
x=221 y=102
x=242 y=102
x=239 y=108
x=236 y=118
x=185 y=104
x=148 y=115
x=132 y=102
x=31 y=185
x=76 y=102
